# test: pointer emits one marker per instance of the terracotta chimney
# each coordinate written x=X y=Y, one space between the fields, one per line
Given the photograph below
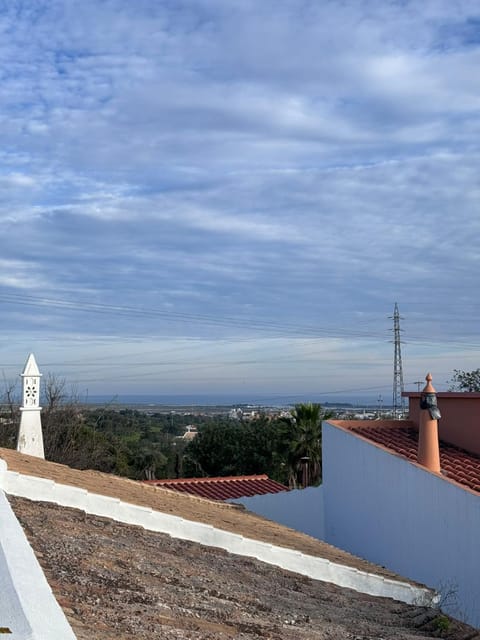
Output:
x=428 y=447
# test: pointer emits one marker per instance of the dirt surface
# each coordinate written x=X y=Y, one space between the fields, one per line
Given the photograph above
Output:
x=120 y=582
x=218 y=514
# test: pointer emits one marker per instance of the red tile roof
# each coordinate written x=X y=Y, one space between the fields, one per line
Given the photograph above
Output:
x=456 y=464
x=223 y=488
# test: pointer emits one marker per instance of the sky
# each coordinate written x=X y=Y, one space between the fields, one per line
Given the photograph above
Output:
x=230 y=196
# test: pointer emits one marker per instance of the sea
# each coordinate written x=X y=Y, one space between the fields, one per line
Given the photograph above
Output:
x=226 y=400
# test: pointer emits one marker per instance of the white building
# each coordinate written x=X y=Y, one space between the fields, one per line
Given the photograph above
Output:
x=379 y=503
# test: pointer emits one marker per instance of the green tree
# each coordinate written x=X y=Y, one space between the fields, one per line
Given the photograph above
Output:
x=288 y=450
x=216 y=450
x=304 y=439
x=465 y=380
x=9 y=415
x=231 y=447
x=67 y=438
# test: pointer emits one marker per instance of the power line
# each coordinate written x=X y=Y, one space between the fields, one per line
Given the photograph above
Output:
x=284 y=329
x=224 y=321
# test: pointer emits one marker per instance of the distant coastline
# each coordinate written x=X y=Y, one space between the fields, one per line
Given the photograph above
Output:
x=220 y=400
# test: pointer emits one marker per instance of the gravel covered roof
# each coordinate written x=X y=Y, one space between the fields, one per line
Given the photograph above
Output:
x=118 y=581
x=218 y=514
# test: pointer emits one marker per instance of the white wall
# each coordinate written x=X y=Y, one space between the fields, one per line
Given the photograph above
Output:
x=301 y=509
x=394 y=513
x=27 y=605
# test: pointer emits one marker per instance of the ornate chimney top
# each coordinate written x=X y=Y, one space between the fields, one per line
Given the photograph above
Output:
x=31 y=385
x=428 y=445
x=429 y=387
x=31 y=367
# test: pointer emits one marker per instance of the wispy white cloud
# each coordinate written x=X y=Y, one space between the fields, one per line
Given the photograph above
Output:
x=21 y=274
x=291 y=163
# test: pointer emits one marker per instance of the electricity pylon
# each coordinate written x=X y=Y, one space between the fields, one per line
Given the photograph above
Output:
x=398 y=402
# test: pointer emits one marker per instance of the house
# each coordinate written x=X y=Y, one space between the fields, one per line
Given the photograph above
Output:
x=382 y=503
x=124 y=559
x=190 y=432
x=85 y=554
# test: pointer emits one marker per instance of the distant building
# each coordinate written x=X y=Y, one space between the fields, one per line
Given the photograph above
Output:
x=242 y=414
x=191 y=432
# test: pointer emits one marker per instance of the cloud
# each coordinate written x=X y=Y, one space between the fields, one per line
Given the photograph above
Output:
x=203 y=82
x=21 y=274
x=290 y=165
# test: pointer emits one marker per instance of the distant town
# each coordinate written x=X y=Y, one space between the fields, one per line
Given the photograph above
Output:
x=341 y=411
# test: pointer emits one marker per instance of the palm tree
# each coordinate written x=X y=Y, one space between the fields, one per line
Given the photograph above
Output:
x=305 y=444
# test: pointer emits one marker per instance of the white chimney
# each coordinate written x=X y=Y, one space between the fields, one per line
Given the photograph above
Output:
x=30 y=437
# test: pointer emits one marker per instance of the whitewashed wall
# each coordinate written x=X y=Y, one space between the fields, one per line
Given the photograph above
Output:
x=394 y=513
x=301 y=509
x=27 y=605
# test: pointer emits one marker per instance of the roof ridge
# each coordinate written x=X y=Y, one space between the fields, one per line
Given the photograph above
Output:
x=458 y=465
x=218 y=515
x=209 y=479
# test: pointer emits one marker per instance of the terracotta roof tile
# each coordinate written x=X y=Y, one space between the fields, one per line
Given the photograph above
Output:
x=456 y=464
x=224 y=488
